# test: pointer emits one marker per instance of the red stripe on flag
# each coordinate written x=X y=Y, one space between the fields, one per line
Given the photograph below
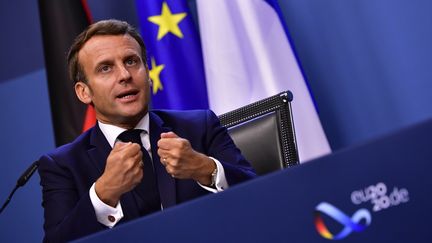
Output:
x=89 y=119
x=87 y=11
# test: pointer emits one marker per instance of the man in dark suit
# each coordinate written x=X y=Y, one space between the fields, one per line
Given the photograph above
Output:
x=133 y=162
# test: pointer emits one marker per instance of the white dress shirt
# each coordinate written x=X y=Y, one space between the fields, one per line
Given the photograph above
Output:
x=110 y=216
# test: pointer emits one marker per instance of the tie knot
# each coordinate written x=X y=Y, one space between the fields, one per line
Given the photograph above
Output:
x=131 y=135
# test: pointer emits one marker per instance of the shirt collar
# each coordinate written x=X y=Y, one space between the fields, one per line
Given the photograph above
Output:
x=111 y=132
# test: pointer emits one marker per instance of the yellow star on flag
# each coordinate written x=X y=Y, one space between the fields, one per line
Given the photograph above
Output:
x=167 y=22
x=154 y=76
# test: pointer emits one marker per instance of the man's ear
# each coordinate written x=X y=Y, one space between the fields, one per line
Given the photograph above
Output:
x=83 y=92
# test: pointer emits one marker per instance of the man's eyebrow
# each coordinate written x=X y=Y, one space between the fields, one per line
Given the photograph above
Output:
x=132 y=55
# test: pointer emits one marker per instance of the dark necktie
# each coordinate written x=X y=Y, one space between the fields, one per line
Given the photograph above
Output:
x=148 y=198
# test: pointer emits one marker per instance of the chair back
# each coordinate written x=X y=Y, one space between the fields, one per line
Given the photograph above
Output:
x=264 y=132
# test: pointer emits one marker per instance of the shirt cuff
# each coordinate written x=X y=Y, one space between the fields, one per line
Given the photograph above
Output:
x=105 y=214
x=221 y=183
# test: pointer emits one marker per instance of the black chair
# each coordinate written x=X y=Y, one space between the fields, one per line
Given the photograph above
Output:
x=264 y=132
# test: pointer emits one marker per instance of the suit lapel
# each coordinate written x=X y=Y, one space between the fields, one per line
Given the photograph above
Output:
x=98 y=153
x=166 y=183
x=99 y=149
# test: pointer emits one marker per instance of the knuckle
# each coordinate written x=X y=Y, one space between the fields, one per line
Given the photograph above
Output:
x=121 y=157
x=176 y=154
x=170 y=170
x=175 y=163
x=136 y=146
x=182 y=143
x=159 y=152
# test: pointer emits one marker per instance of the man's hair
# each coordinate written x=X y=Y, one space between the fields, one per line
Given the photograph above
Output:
x=104 y=27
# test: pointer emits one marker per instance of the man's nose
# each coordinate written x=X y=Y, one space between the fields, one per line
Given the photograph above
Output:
x=124 y=74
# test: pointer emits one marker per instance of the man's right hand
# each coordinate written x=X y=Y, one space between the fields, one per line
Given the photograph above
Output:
x=122 y=173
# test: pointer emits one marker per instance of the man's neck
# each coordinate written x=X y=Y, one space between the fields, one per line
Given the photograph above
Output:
x=111 y=131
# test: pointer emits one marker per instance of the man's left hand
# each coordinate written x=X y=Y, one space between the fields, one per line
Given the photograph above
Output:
x=182 y=161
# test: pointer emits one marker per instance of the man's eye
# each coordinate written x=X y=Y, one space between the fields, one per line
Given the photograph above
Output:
x=131 y=62
x=104 y=69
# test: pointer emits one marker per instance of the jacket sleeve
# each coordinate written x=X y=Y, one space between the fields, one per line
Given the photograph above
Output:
x=221 y=146
x=68 y=212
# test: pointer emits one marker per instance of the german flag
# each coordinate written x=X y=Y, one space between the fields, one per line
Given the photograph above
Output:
x=61 y=22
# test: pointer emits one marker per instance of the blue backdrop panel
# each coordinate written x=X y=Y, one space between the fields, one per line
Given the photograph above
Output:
x=21 y=41
x=26 y=134
x=368 y=63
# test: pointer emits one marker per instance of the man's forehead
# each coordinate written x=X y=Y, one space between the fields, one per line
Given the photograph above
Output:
x=102 y=45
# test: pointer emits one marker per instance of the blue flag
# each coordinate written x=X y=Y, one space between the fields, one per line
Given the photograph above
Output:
x=174 y=55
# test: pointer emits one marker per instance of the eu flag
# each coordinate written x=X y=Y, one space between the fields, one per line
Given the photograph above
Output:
x=174 y=53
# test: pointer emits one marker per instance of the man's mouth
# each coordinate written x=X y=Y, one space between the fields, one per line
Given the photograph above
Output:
x=127 y=95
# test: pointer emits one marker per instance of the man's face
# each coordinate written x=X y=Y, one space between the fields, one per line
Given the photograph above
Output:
x=118 y=85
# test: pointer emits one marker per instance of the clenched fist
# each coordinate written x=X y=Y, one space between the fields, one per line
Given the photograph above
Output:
x=123 y=171
x=182 y=162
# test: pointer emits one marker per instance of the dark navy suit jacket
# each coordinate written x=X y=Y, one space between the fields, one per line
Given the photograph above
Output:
x=69 y=171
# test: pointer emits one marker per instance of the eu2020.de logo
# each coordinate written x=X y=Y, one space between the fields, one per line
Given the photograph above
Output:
x=349 y=224
x=378 y=195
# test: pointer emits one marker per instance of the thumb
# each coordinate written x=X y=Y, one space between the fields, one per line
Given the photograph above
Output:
x=169 y=135
x=119 y=145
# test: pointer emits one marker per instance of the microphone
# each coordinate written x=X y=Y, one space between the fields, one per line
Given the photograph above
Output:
x=22 y=180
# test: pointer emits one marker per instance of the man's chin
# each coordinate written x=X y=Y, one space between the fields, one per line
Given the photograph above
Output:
x=133 y=117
